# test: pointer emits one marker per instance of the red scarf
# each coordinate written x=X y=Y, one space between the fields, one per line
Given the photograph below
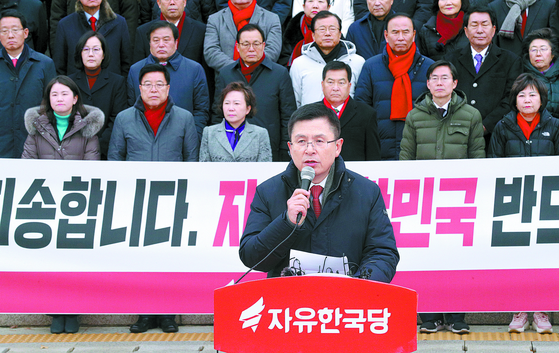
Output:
x=328 y=105
x=248 y=70
x=527 y=127
x=448 y=27
x=179 y=27
x=155 y=116
x=92 y=76
x=401 y=101
x=241 y=19
x=307 y=38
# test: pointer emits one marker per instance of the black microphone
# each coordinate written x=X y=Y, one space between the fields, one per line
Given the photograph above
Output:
x=307 y=176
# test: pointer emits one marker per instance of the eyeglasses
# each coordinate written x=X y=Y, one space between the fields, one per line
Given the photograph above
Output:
x=340 y=83
x=542 y=50
x=324 y=29
x=303 y=144
x=14 y=31
x=441 y=79
x=149 y=85
x=247 y=45
x=96 y=50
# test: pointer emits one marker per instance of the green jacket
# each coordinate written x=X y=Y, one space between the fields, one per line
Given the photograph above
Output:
x=551 y=79
x=428 y=135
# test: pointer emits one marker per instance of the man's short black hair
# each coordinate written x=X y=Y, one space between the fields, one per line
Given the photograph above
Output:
x=393 y=15
x=334 y=66
x=155 y=68
x=315 y=111
x=481 y=9
x=163 y=24
x=325 y=14
x=16 y=14
x=448 y=64
x=251 y=27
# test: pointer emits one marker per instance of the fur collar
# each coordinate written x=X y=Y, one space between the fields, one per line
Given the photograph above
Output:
x=106 y=14
x=89 y=125
x=293 y=33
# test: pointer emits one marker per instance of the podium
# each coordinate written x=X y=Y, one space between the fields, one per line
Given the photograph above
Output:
x=310 y=314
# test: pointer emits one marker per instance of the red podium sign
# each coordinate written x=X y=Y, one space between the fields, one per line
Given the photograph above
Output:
x=315 y=314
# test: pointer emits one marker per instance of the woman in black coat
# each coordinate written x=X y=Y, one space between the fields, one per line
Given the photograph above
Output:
x=444 y=31
x=98 y=86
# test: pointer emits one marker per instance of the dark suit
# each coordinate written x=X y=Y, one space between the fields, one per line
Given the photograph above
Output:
x=359 y=131
x=488 y=91
x=108 y=94
x=191 y=42
x=540 y=15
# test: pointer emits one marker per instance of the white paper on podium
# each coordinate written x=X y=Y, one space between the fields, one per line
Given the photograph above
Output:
x=310 y=263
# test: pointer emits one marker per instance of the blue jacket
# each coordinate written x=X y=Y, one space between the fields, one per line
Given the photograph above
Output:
x=361 y=34
x=19 y=92
x=189 y=88
x=73 y=26
x=374 y=87
x=353 y=222
x=132 y=138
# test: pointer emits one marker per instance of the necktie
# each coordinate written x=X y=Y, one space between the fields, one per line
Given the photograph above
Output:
x=478 y=58
x=523 y=28
x=14 y=61
x=315 y=192
x=442 y=111
x=93 y=20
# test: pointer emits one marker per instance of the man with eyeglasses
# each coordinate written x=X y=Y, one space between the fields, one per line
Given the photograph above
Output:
x=222 y=28
x=24 y=73
x=190 y=88
x=367 y=33
x=358 y=120
x=347 y=216
x=327 y=46
x=269 y=81
x=442 y=125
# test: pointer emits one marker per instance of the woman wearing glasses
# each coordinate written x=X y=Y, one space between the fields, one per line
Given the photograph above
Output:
x=540 y=53
x=98 y=86
x=235 y=139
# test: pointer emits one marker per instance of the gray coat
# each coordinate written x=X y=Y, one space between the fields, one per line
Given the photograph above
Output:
x=253 y=146
x=133 y=139
x=79 y=143
x=221 y=35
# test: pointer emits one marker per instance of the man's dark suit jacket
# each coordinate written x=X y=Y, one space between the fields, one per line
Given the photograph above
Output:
x=359 y=131
x=488 y=91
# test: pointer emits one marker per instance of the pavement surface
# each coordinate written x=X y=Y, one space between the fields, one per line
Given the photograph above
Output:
x=39 y=340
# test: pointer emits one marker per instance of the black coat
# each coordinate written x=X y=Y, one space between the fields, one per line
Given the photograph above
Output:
x=275 y=101
x=359 y=131
x=291 y=37
x=508 y=140
x=73 y=26
x=191 y=42
x=108 y=94
x=487 y=91
x=428 y=45
x=540 y=15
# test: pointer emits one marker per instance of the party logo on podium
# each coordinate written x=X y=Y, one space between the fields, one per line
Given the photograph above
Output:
x=251 y=316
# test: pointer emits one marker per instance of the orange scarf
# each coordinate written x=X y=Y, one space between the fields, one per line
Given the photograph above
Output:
x=527 y=127
x=241 y=19
x=401 y=100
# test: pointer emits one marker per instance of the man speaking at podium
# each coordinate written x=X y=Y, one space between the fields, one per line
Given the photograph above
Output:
x=343 y=214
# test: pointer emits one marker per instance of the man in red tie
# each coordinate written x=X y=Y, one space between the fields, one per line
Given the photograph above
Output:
x=24 y=74
x=347 y=218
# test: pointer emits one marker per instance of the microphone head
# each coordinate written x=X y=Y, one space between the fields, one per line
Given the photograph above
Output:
x=307 y=173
